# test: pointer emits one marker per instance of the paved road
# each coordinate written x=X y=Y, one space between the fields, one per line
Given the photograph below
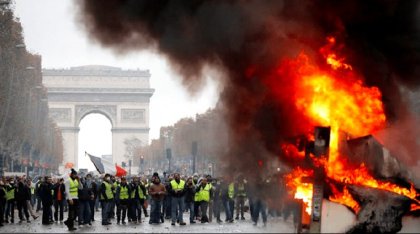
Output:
x=274 y=225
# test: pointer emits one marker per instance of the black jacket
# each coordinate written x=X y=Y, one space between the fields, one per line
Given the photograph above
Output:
x=62 y=191
x=45 y=192
x=189 y=193
x=22 y=192
x=2 y=195
x=85 y=193
x=95 y=190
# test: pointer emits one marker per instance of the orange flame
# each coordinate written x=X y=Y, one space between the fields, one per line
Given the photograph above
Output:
x=336 y=62
x=304 y=189
x=331 y=57
x=339 y=100
x=344 y=198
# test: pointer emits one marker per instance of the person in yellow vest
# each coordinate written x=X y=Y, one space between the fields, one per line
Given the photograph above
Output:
x=123 y=195
x=228 y=193
x=10 y=200
x=177 y=191
x=106 y=196
x=240 y=197
x=204 y=191
x=137 y=199
x=72 y=186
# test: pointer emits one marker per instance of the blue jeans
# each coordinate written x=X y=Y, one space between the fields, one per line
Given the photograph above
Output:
x=33 y=200
x=58 y=207
x=155 y=211
x=216 y=208
x=228 y=205
x=259 y=206
x=10 y=209
x=190 y=206
x=177 y=206
x=92 y=209
x=106 y=206
x=167 y=206
x=84 y=212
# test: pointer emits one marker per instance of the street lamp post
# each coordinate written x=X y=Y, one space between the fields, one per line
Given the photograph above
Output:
x=194 y=149
x=31 y=126
x=142 y=164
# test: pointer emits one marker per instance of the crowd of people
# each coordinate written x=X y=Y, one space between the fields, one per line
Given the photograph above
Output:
x=127 y=199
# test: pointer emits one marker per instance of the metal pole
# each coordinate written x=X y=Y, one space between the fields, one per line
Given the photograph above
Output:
x=194 y=149
x=321 y=149
x=129 y=167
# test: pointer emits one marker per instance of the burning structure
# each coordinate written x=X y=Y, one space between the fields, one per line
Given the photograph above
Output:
x=290 y=66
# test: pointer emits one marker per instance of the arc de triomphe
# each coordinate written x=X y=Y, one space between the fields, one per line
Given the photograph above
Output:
x=121 y=95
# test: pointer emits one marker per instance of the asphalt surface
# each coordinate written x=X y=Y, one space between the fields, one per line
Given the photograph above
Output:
x=274 y=225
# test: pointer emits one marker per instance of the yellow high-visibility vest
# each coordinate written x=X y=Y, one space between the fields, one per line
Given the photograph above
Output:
x=108 y=191
x=10 y=194
x=231 y=190
x=204 y=193
x=140 y=192
x=177 y=187
x=123 y=192
x=74 y=187
x=114 y=187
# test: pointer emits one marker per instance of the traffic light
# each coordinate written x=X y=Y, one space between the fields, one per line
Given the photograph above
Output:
x=123 y=164
x=141 y=160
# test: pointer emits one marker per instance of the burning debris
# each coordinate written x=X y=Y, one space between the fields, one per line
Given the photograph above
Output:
x=381 y=211
x=290 y=66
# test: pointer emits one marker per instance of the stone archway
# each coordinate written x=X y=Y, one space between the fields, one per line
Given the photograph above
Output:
x=123 y=96
x=109 y=111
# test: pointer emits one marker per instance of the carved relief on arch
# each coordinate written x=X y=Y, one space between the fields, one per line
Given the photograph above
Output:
x=60 y=114
x=109 y=111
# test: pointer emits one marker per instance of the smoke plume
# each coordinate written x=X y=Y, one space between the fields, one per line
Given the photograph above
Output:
x=247 y=40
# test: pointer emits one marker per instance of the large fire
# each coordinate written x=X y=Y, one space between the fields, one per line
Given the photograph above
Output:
x=334 y=95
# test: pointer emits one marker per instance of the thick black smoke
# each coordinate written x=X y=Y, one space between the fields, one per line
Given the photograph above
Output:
x=239 y=37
